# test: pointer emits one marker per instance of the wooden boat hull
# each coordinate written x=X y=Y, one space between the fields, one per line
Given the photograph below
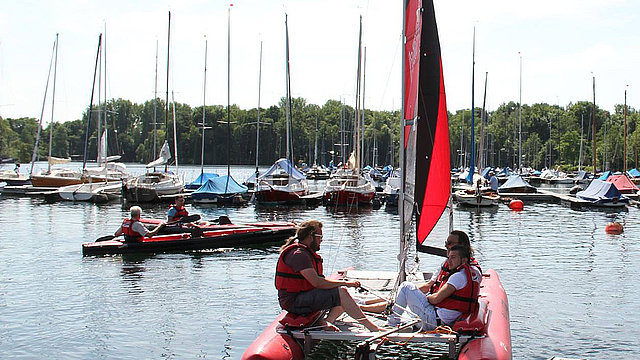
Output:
x=213 y=237
x=54 y=181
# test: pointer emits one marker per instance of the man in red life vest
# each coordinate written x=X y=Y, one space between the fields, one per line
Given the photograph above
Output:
x=302 y=287
x=133 y=230
x=177 y=210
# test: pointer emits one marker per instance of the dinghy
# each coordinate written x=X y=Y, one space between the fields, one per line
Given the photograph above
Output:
x=484 y=334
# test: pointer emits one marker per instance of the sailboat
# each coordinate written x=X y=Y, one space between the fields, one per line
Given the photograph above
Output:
x=317 y=172
x=283 y=183
x=221 y=189
x=485 y=334
x=151 y=186
x=348 y=186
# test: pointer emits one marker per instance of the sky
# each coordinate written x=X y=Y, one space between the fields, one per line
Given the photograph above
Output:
x=562 y=45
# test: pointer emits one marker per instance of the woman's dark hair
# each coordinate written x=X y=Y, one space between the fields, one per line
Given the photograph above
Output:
x=305 y=229
x=463 y=251
x=463 y=240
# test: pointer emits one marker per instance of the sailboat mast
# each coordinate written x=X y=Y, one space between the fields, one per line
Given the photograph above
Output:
x=258 y=122
x=472 y=154
x=624 y=169
x=44 y=101
x=155 y=107
x=581 y=135
x=520 y=122
x=402 y=275
x=288 y=91
x=166 y=110
x=99 y=122
x=358 y=115
x=204 y=109
x=226 y=186
x=593 y=121
x=175 y=134
x=53 y=101
x=315 y=144
x=364 y=82
x=93 y=86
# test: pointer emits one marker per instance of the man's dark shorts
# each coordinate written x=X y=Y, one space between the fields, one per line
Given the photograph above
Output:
x=314 y=300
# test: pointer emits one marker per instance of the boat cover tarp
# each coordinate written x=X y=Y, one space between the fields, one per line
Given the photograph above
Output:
x=582 y=175
x=622 y=183
x=218 y=186
x=634 y=172
x=504 y=172
x=165 y=155
x=200 y=180
x=514 y=181
x=600 y=190
x=605 y=175
x=486 y=171
x=286 y=166
x=374 y=172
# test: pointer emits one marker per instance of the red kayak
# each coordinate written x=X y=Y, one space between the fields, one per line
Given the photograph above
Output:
x=197 y=238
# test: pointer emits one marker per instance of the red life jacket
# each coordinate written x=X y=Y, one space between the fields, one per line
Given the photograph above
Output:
x=180 y=212
x=464 y=300
x=444 y=274
x=288 y=279
x=128 y=232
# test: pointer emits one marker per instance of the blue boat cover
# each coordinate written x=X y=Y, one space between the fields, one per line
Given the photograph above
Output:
x=387 y=168
x=599 y=191
x=217 y=185
x=200 y=180
x=634 y=172
x=605 y=175
x=286 y=166
x=582 y=175
x=504 y=172
x=375 y=172
x=366 y=168
x=486 y=171
x=515 y=181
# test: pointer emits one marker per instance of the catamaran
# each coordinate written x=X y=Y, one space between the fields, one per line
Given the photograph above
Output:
x=426 y=194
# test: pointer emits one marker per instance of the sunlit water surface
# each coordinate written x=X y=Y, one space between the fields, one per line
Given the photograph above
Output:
x=572 y=289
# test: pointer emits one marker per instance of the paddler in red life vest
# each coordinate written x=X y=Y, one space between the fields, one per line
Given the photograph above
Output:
x=177 y=210
x=133 y=230
x=302 y=287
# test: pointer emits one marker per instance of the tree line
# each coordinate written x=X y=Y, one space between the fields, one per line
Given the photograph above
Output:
x=551 y=135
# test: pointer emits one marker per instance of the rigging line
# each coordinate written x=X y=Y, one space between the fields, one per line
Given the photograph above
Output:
x=395 y=56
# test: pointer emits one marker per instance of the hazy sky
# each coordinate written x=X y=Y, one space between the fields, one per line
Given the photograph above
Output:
x=563 y=44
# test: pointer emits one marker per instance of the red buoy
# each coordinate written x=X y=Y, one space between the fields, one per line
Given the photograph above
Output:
x=516 y=205
x=614 y=228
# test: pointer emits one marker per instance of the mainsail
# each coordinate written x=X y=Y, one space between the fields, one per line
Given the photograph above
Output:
x=426 y=131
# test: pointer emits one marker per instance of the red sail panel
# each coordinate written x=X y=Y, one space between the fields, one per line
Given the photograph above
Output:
x=413 y=29
x=432 y=156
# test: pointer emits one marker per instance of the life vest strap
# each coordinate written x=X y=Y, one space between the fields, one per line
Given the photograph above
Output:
x=287 y=275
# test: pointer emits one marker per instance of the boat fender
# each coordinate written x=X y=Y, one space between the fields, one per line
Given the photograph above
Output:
x=516 y=205
x=614 y=228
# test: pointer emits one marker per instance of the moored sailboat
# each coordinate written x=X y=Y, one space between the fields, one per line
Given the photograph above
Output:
x=485 y=333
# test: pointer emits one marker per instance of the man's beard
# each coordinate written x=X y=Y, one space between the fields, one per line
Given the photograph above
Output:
x=315 y=246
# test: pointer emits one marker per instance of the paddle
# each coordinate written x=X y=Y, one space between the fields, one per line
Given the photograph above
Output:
x=186 y=219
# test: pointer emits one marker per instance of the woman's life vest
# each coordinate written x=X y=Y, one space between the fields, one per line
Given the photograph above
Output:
x=464 y=300
x=445 y=272
x=291 y=281
x=180 y=212
x=128 y=232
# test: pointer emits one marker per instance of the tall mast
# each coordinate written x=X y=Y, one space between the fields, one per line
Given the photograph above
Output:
x=472 y=154
x=204 y=109
x=44 y=101
x=226 y=186
x=258 y=122
x=593 y=121
x=364 y=82
x=86 y=136
x=625 y=131
x=166 y=110
x=288 y=109
x=155 y=107
x=358 y=115
x=520 y=121
x=581 y=134
x=53 y=101
x=99 y=122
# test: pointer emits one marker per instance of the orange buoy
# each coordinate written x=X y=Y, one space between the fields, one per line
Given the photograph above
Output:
x=613 y=228
x=516 y=205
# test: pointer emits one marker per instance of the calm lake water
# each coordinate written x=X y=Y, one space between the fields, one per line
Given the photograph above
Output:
x=572 y=288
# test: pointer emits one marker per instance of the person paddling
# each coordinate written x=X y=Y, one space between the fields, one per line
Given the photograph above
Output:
x=302 y=287
x=133 y=230
x=177 y=210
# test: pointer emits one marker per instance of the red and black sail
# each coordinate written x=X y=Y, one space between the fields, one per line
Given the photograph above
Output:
x=426 y=140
